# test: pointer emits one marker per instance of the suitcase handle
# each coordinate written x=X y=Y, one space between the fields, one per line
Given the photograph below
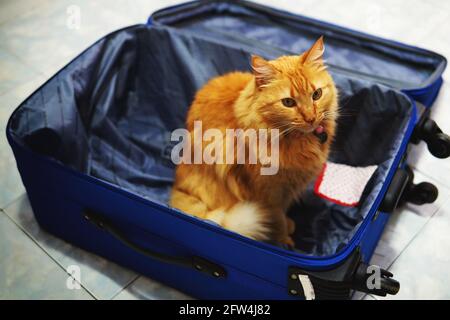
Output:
x=195 y=262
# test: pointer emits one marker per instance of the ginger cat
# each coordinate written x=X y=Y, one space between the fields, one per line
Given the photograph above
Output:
x=294 y=94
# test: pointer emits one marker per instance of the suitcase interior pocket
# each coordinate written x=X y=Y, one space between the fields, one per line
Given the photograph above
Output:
x=110 y=113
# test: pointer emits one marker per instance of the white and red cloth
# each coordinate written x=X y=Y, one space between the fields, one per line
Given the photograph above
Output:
x=343 y=184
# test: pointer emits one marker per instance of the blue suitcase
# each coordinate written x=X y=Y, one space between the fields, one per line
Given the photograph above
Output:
x=93 y=149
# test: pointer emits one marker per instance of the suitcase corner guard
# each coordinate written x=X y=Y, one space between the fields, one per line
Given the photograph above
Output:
x=197 y=263
x=336 y=284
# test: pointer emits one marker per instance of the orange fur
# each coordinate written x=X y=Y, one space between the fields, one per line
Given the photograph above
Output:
x=245 y=100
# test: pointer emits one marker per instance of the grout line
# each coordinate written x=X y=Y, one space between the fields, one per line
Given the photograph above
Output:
x=37 y=71
x=21 y=61
x=126 y=286
x=42 y=249
x=9 y=203
x=435 y=180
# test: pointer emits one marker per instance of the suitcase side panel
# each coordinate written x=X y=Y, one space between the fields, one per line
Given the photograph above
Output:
x=255 y=274
x=426 y=95
x=373 y=234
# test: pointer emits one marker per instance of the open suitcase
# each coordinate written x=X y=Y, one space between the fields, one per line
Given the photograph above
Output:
x=93 y=149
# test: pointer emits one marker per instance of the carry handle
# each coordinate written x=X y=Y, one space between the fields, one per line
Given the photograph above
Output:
x=195 y=262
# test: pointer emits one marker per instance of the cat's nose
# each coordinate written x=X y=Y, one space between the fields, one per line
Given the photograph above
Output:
x=309 y=116
x=310 y=120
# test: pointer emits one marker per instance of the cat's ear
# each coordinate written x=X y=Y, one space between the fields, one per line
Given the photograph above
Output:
x=314 y=54
x=264 y=72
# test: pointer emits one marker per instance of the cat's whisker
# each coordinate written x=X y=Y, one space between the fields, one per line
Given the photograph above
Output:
x=289 y=130
x=341 y=109
x=284 y=132
x=283 y=126
x=339 y=114
x=284 y=122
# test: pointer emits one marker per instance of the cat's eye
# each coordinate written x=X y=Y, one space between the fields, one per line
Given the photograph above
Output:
x=289 y=102
x=317 y=94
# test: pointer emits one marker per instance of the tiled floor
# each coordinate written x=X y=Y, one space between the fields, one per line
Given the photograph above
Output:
x=36 y=40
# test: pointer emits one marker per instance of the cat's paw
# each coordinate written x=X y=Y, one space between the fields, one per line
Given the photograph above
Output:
x=288 y=241
x=290 y=226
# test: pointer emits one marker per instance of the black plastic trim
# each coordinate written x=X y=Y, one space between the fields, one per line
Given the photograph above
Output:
x=395 y=191
x=338 y=283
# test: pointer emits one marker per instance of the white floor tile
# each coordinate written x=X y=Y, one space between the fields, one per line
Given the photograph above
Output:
x=49 y=36
x=27 y=272
x=11 y=9
x=13 y=72
x=423 y=268
x=103 y=279
x=405 y=224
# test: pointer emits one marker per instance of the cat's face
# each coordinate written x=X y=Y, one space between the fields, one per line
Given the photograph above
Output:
x=295 y=93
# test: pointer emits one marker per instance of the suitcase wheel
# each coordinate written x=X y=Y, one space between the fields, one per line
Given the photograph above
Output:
x=439 y=146
x=438 y=142
x=422 y=193
x=419 y=194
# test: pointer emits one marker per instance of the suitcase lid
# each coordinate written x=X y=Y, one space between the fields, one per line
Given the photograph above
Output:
x=250 y=25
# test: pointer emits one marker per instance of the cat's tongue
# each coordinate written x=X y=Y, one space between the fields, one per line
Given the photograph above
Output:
x=319 y=130
x=321 y=134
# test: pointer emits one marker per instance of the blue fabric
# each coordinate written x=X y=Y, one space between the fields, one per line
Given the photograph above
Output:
x=109 y=114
